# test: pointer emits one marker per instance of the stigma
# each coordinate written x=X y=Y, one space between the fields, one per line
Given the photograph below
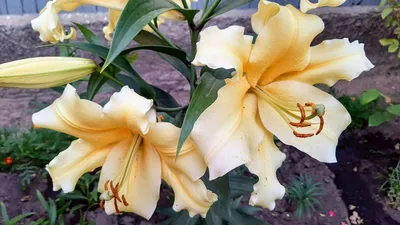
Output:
x=317 y=110
x=112 y=194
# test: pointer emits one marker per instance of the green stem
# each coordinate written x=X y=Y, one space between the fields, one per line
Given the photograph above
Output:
x=162 y=36
x=204 y=8
x=208 y=13
x=109 y=76
x=162 y=109
x=193 y=78
x=194 y=36
x=185 y=5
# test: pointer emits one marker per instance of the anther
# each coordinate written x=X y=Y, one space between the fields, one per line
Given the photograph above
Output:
x=321 y=125
x=116 y=206
x=114 y=190
x=124 y=201
x=302 y=111
x=300 y=124
x=102 y=204
x=302 y=135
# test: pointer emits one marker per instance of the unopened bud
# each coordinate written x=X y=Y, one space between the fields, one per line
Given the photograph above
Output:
x=44 y=72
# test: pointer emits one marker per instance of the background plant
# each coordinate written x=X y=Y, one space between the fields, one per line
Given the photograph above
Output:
x=391 y=16
x=303 y=193
x=392 y=186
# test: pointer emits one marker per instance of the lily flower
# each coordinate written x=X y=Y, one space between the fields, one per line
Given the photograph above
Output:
x=44 y=72
x=273 y=94
x=51 y=30
x=134 y=151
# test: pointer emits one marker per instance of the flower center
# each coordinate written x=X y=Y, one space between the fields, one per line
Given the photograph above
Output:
x=298 y=116
x=112 y=192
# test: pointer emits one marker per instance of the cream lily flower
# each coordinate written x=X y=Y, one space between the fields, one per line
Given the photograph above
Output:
x=44 y=72
x=273 y=94
x=51 y=30
x=134 y=151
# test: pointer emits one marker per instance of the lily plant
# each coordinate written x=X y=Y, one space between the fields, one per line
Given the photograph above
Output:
x=251 y=88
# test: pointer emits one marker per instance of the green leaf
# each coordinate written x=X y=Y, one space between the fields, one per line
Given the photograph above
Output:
x=121 y=63
x=393 y=48
x=220 y=73
x=136 y=15
x=369 y=96
x=382 y=3
x=386 y=41
x=42 y=201
x=174 y=52
x=386 y=12
x=241 y=183
x=204 y=95
x=228 y=5
x=96 y=81
x=394 y=109
x=147 y=38
x=185 y=219
x=52 y=212
x=89 y=35
x=213 y=218
x=4 y=213
x=376 y=119
x=18 y=218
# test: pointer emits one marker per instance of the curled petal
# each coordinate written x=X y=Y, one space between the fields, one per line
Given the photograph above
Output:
x=112 y=23
x=306 y=5
x=134 y=166
x=265 y=11
x=282 y=45
x=80 y=118
x=228 y=48
x=332 y=60
x=190 y=195
x=131 y=110
x=225 y=131
x=265 y=161
x=49 y=26
x=276 y=120
x=164 y=137
x=80 y=157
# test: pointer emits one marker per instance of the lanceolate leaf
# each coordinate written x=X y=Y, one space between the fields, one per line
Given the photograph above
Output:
x=204 y=95
x=147 y=38
x=96 y=81
x=89 y=35
x=136 y=15
x=177 y=53
x=121 y=63
x=228 y=5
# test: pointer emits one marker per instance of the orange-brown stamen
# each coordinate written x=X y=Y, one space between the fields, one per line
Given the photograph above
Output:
x=300 y=124
x=116 y=206
x=302 y=135
x=124 y=201
x=321 y=125
x=312 y=105
x=114 y=190
x=102 y=204
x=303 y=112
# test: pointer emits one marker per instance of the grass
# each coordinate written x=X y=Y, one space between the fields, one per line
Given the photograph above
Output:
x=392 y=186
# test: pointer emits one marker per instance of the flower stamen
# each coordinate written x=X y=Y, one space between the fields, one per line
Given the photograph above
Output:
x=302 y=111
x=316 y=110
x=114 y=195
x=321 y=125
x=299 y=135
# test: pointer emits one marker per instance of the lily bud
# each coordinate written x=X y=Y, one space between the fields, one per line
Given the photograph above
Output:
x=44 y=72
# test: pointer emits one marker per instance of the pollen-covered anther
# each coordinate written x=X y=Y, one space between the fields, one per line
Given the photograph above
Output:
x=302 y=112
x=299 y=135
x=109 y=187
x=317 y=110
x=300 y=124
x=321 y=125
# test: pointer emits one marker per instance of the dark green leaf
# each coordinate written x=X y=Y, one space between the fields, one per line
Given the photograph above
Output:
x=89 y=35
x=228 y=5
x=147 y=38
x=42 y=201
x=204 y=95
x=394 y=109
x=212 y=216
x=52 y=212
x=185 y=219
x=121 y=63
x=136 y=15
x=4 y=213
x=220 y=73
x=242 y=183
x=369 y=96
x=75 y=208
x=96 y=81
x=18 y=218
x=174 y=52
x=376 y=119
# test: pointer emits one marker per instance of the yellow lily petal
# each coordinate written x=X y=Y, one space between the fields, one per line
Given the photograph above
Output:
x=283 y=44
x=228 y=48
x=80 y=118
x=40 y=72
x=164 y=137
x=131 y=110
x=288 y=93
x=175 y=15
x=225 y=131
x=135 y=166
x=306 y=5
x=190 y=195
x=265 y=11
x=49 y=26
x=265 y=161
x=332 y=60
x=112 y=24
x=80 y=157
